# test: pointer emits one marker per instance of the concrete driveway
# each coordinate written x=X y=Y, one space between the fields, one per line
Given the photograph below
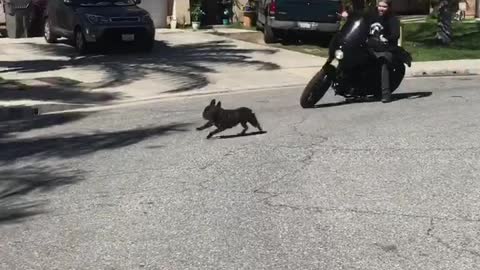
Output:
x=181 y=63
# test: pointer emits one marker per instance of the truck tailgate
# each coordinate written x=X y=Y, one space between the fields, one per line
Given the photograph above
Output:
x=324 y=11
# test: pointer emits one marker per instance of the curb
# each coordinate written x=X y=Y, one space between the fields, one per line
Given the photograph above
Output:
x=442 y=73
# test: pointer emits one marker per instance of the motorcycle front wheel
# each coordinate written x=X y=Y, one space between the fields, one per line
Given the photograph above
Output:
x=315 y=89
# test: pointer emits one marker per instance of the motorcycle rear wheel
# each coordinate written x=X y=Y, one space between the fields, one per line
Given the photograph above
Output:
x=398 y=73
x=315 y=89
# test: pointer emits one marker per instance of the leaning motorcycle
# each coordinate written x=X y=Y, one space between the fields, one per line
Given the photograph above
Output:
x=357 y=74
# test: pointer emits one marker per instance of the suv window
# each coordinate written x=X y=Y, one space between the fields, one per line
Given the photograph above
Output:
x=103 y=3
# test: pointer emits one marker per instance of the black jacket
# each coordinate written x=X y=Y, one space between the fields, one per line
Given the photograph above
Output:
x=387 y=26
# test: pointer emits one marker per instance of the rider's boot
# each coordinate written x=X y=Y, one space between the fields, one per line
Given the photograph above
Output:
x=386 y=94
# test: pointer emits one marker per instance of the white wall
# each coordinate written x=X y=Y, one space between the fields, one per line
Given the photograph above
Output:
x=2 y=14
x=158 y=11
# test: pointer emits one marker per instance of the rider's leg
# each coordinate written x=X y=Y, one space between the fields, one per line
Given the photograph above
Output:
x=386 y=94
x=385 y=58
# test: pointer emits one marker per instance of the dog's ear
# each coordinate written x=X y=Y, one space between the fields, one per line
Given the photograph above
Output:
x=212 y=103
x=219 y=104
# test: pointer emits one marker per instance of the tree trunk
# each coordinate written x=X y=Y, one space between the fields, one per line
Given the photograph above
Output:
x=445 y=15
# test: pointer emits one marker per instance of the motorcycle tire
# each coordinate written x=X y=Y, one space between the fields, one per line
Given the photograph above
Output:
x=315 y=89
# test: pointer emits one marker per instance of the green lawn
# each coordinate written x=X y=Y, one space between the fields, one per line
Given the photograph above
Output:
x=419 y=40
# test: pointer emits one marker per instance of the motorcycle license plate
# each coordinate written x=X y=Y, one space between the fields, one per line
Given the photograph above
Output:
x=128 y=37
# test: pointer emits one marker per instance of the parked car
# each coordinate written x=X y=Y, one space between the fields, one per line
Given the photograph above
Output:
x=105 y=22
x=277 y=18
x=28 y=24
x=37 y=18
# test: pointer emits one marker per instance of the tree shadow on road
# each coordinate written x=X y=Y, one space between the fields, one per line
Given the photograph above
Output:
x=395 y=97
x=17 y=186
x=70 y=94
x=183 y=66
x=72 y=145
x=9 y=129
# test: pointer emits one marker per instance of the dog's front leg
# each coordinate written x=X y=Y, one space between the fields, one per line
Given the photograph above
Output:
x=207 y=125
x=218 y=130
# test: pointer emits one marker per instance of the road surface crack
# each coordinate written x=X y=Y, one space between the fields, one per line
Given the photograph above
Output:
x=319 y=209
x=448 y=245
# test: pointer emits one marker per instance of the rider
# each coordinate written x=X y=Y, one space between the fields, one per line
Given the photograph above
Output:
x=385 y=30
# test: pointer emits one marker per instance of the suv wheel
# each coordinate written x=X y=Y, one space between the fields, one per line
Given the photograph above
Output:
x=80 y=42
x=47 y=32
x=268 y=34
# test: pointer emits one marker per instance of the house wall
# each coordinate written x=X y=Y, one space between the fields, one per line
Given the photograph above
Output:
x=158 y=11
x=2 y=13
x=161 y=11
x=183 y=11
x=471 y=8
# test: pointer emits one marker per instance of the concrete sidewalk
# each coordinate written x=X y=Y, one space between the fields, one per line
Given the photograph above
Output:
x=183 y=63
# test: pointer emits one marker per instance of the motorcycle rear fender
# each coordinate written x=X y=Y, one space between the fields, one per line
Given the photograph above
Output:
x=404 y=56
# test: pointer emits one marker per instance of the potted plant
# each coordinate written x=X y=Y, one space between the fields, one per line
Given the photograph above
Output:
x=249 y=14
x=226 y=18
x=196 y=13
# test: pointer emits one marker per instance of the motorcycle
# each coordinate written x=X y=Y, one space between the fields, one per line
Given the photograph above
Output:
x=358 y=73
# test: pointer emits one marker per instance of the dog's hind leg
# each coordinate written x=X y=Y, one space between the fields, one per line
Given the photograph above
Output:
x=253 y=120
x=245 y=128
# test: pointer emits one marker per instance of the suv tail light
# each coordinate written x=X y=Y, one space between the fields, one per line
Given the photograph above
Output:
x=272 y=9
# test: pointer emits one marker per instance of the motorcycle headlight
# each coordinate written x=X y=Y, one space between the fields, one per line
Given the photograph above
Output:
x=96 y=19
x=339 y=54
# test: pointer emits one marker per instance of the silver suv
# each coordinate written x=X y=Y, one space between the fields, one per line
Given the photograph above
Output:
x=107 y=22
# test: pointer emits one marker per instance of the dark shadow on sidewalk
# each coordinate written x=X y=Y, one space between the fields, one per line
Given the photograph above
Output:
x=17 y=186
x=184 y=66
x=395 y=97
x=72 y=145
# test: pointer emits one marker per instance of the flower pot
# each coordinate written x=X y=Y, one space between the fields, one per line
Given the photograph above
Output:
x=249 y=18
x=195 y=25
x=226 y=21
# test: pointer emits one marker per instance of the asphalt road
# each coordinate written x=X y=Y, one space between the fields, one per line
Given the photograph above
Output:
x=352 y=186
